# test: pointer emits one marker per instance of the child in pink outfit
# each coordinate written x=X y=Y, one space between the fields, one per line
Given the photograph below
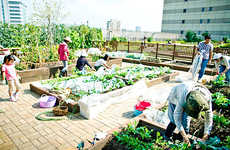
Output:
x=9 y=71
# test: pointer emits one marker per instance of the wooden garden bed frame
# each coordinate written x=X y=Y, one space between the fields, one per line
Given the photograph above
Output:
x=165 y=64
x=48 y=72
x=149 y=83
x=139 y=119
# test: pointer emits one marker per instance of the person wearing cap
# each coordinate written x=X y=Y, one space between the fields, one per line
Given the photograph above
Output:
x=64 y=54
x=222 y=64
x=205 y=49
x=188 y=100
x=82 y=61
x=102 y=62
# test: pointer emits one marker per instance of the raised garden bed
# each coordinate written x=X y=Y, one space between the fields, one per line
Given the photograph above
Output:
x=176 y=65
x=113 y=85
x=137 y=134
x=49 y=70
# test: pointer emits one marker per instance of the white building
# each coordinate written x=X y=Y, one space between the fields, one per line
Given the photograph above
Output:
x=12 y=11
x=199 y=16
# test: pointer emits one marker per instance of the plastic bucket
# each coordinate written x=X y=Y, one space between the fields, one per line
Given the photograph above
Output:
x=47 y=101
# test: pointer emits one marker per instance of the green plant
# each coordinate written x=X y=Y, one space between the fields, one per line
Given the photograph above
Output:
x=219 y=81
x=220 y=100
x=221 y=120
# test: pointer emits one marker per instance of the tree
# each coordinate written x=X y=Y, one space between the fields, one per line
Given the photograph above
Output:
x=47 y=13
x=205 y=34
x=225 y=39
x=150 y=39
x=190 y=36
x=123 y=39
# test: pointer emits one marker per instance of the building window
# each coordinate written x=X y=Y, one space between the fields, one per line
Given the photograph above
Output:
x=15 y=17
x=181 y=32
x=14 y=2
x=203 y=9
x=15 y=14
x=201 y=21
x=14 y=7
x=184 y=11
x=208 y=21
x=199 y=32
x=185 y=0
x=14 y=10
x=183 y=21
x=210 y=8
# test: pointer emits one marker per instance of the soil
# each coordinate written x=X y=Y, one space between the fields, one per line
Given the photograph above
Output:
x=112 y=144
x=221 y=131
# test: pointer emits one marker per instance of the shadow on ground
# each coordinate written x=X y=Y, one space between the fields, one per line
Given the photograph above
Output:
x=4 y=100
x=128 y=114
x=28 y=92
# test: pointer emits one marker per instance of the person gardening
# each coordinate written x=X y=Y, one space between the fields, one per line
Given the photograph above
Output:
x=188 y=100
x=205 y=49
x=64 y=54
x=222 y=64
x=102 y=62
x=82 y=61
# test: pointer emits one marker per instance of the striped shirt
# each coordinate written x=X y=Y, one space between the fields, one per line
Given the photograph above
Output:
x=205 y=49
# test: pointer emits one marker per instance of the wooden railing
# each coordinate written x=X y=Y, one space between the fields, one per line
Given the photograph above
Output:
x=171 y=51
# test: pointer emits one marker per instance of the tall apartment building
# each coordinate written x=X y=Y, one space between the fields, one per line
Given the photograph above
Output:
x=12 y=11
x=199 y=16
x=113 y=29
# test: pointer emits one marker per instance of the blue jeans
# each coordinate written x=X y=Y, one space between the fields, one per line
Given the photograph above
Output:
x=202 y=69
x=227 y=74
x=65 y=64
x=185 y=118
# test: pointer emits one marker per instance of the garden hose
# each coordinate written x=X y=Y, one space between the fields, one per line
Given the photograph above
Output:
x=39 y=117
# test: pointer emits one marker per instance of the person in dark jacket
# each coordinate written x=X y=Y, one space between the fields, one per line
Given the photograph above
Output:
x=82 y=61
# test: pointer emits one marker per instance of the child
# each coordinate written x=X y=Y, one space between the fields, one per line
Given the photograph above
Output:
x=9 y=71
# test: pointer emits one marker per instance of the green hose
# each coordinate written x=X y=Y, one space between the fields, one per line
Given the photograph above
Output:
x=39 y=117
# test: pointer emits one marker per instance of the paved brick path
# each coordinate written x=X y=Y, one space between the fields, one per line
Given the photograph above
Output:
x=20 y=130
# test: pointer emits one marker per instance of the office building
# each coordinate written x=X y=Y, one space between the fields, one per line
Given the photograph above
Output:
x=199 y=16
x=12 y=11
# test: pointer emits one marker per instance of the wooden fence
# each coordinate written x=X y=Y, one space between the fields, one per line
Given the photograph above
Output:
x=169 y=51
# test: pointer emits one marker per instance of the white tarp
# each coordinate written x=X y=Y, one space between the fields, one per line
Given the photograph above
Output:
x=91 y=106
x=196 y=65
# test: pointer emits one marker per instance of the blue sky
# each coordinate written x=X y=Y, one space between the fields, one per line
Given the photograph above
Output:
x=131 y=13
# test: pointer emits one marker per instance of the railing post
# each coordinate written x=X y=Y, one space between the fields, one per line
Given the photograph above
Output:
x=157 y=50
x=128 y=46
x=193 y=52
x=174 y=51
x=142 y=47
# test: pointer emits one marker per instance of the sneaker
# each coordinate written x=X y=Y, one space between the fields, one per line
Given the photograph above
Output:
x=16 y=95
x=12 y=99
x=199 y=80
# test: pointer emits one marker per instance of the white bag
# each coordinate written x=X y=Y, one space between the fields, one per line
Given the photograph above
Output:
x=196 y=65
